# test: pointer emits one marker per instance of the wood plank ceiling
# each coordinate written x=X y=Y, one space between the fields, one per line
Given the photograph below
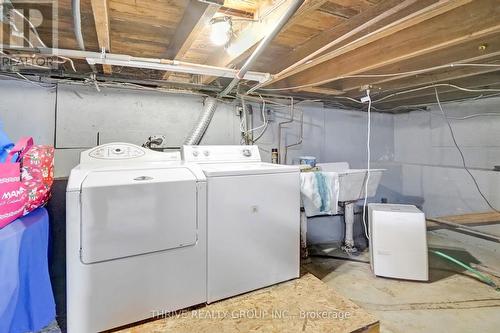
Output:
x=330 y=49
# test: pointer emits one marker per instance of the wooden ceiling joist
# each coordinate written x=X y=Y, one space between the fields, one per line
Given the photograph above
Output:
x=196 y=17
x=403 y=16
x=469 y=52
x=486 y=81
x=100 y=9
x=454 y=27
x=320 y=43
x=422 y=101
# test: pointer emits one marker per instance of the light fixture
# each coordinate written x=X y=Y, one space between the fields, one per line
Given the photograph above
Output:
x=222 y=29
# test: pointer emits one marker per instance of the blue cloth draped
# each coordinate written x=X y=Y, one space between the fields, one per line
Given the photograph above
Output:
x=26 y=298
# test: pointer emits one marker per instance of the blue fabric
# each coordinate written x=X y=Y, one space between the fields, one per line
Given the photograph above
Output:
x=26 y=298
x=5 y=144
x=323 y=190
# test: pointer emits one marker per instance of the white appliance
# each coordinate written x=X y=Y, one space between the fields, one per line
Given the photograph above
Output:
x=135 y=237
x=398 y=241
x=253 y=219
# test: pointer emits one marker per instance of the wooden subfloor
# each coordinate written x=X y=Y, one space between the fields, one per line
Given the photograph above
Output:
x=302 y=305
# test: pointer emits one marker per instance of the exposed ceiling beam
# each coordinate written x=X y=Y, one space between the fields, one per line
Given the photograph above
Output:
x=444 y=96
x=403 y=16
x=475 y=82
x=197 y=16
x=342 y=32
x=323 y=90
x=249 y=37
x=469 y=52
x=100 y=9
x=462 y=24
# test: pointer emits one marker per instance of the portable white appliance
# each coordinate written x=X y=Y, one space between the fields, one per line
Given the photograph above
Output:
x=253 y=219
x=398 y=241
x=135 y=237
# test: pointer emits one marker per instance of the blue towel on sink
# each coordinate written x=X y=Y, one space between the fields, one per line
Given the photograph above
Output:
x=319 y=192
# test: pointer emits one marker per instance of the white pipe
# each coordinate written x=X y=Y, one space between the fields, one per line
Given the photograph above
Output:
x=175 y=66
x=77 y=23
x=141 y=62
x=349 y=228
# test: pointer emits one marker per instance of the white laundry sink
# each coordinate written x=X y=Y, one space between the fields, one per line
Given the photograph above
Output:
x=352 y=181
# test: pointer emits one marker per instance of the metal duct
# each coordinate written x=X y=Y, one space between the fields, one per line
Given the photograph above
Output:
x=201 y=125
x=294 y=6
x=77 y=23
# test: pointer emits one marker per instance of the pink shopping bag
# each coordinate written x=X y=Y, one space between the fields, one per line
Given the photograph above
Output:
x=13 y=193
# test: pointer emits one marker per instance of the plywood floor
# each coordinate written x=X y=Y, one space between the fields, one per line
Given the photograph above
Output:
x=301 y=305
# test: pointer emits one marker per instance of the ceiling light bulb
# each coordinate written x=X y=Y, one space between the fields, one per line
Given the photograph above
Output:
x=221 y=32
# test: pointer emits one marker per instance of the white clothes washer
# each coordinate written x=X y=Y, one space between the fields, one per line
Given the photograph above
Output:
x=253 y=219
x=135 y=237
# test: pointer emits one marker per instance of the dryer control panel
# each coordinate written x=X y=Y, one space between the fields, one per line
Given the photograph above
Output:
x=216 y=154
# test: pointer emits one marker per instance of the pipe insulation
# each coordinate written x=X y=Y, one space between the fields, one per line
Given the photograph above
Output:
x=77 y=23
x=199 y=129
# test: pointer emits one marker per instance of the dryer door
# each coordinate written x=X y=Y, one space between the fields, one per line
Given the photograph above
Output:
x=134 y=212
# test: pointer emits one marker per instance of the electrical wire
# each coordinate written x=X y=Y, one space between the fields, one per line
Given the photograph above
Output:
x=461 y=153
x=368 y=157
x=433 y=86
x=481 y=276
x=266 y=122
x=36 y=83
x=418 y=71
x=31 y=26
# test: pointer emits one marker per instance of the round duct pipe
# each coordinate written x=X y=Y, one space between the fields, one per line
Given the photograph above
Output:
x=199 y=129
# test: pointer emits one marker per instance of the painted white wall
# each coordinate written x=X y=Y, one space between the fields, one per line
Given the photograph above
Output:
x=431 y=169
x=27 y=109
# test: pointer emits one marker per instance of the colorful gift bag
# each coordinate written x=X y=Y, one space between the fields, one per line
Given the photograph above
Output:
x=13 y=193
x=37 y=175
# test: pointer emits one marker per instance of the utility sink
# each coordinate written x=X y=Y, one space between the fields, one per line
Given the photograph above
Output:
x=352 y=181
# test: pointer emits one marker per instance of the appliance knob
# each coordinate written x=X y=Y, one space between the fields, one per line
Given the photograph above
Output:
x=247 y=152
x=206 y=153
x=195 y=153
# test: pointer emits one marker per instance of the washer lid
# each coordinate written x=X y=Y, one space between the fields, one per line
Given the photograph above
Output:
x=137 y=211
x=235 y=169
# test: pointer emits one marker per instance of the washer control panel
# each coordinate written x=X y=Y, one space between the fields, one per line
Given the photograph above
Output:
x=215 y=154
x=122 y=152
x=118 y=151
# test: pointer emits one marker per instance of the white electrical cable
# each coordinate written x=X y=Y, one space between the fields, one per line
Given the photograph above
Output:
x=31 y=26
x=462 y=157
x=433 y=86
x=368 y=154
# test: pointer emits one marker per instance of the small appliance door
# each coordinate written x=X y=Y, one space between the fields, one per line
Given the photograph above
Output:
x=132 y=212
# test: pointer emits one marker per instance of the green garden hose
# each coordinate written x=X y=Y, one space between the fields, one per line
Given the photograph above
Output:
x=481 y=276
